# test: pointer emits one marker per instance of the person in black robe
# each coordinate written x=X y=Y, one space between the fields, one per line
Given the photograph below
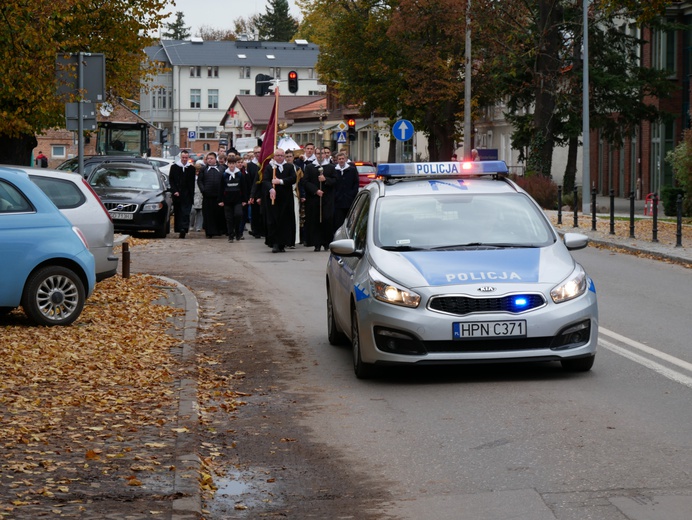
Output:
x=278 y=179
x=182 y=179
x=345 y=189
x=319 y=202
x=210 y=182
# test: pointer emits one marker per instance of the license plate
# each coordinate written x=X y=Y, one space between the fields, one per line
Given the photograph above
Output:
x=490 y=329
x=122 y=216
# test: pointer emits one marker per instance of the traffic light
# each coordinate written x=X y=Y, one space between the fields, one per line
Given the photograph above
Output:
x=351 y=129
x=377 y=140
x=163 y=135
x=262 y=84
x=293 y=82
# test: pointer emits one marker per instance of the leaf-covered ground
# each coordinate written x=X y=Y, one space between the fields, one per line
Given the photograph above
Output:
x=88 y=410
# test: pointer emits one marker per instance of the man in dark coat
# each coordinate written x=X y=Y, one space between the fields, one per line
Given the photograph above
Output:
x=233 y=199
x=182 y=180
x=256 y=218
x=278 y=179
x=345 y=189
x=210 y=182
x=319 y=200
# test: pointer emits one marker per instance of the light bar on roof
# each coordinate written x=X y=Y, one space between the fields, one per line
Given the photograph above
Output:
x=442 y=169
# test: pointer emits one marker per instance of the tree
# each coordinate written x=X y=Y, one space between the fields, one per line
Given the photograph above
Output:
x=177 y=30
x=276 y=24
x=539 y=70
x=34 y=31
x=208 y=33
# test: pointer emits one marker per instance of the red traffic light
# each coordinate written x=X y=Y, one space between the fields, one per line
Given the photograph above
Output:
x=293 y=82
x=351 y=123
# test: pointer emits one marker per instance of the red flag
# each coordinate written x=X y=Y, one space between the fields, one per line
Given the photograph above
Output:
x=269 y=141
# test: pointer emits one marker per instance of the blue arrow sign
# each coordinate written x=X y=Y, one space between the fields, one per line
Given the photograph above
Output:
x=402 y=130
x=341 y=137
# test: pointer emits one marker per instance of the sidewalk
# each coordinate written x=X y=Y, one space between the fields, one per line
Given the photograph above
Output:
x=643 y=244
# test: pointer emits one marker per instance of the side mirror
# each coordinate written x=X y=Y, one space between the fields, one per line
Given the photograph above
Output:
x=574 y=241
x=345 y=247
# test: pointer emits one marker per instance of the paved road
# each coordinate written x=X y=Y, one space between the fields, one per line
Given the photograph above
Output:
x=477 y=442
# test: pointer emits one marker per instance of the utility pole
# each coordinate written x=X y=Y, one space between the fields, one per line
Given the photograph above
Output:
x=467 y=87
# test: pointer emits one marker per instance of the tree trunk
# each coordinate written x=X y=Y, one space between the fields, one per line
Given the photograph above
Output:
x=571 y=167
x=546 y=74
x=17 y=150
x=391 y=153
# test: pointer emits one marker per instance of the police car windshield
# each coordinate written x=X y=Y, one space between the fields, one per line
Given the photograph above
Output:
x=451 y=222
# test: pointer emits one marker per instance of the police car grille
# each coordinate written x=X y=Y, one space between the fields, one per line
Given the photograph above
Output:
x=488 y=345
x=126 y=208
x=462 y=305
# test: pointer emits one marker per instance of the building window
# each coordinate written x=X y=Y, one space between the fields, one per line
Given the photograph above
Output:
x=57 y=151
x=213 y=98
x=663 y=51
x=244 y=92
x=278 y=73
x=195 y=72
x=195 y=98
x=245 y=72
x=212 y=72
x=206 y=147
x=311 y=73
x=161 y=99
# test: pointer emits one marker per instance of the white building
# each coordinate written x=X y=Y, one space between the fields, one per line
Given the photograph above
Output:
x=200 y=79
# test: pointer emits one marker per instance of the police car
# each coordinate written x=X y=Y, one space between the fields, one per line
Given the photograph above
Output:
x=452 y=262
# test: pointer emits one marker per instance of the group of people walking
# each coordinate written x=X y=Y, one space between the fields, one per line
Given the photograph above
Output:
x=292 y=200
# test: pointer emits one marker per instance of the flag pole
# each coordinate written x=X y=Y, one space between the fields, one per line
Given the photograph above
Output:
x=276 y=126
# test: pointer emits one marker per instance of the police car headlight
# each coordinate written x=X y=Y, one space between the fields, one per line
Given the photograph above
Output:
x=573 y=286
x=152 y=206
x=388 y=292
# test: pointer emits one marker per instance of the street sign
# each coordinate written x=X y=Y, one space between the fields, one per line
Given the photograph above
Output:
x=93 y=72
x=402 y=130
x=342 y=126
x=341 y=137
x=191 y=134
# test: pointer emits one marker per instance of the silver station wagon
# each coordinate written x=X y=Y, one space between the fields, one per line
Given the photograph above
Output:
x=452 y=262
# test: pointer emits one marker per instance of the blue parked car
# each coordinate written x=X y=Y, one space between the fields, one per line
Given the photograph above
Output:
x=45 y=265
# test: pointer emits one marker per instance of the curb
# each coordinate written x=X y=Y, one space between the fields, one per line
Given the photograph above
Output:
x=187 y=462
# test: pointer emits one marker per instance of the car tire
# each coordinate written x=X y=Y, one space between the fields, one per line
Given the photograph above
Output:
x=361 y=369
x=335 y=336
x=583 y=364
x=53 y=295
x=162 y=232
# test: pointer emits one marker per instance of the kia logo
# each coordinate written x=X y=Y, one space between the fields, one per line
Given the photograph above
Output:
x=486 y=289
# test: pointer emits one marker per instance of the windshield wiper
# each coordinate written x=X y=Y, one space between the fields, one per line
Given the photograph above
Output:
x=489 y=245
x=402 y=248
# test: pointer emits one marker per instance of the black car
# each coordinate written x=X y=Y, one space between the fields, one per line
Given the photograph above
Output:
x=135 y=195
x=92 y=161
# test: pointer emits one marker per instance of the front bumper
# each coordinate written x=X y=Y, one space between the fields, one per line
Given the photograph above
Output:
x=391 y=334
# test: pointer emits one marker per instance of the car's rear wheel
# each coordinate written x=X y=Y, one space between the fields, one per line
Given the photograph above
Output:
x=53 y=295
x=578 y=365
x=362 y=370
x=335 y=336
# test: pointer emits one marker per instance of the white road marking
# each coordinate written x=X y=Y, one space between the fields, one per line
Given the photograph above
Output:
x=671 y=374
x=645 y=348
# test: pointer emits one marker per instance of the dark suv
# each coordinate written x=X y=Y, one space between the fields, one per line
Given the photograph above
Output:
x=92 y=161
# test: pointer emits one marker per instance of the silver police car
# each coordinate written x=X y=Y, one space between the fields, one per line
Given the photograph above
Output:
x=452 y=262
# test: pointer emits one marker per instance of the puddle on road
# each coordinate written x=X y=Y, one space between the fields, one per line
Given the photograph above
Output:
x=231 y=486
x=247 y=488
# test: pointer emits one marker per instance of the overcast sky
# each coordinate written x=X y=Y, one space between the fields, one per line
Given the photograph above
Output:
x=220 y=15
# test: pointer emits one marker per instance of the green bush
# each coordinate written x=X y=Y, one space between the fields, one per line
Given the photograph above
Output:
x=681 y=160
x=541 y=188
x=669 y=199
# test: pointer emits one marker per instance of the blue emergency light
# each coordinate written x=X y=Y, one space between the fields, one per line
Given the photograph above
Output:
x=442 y=169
